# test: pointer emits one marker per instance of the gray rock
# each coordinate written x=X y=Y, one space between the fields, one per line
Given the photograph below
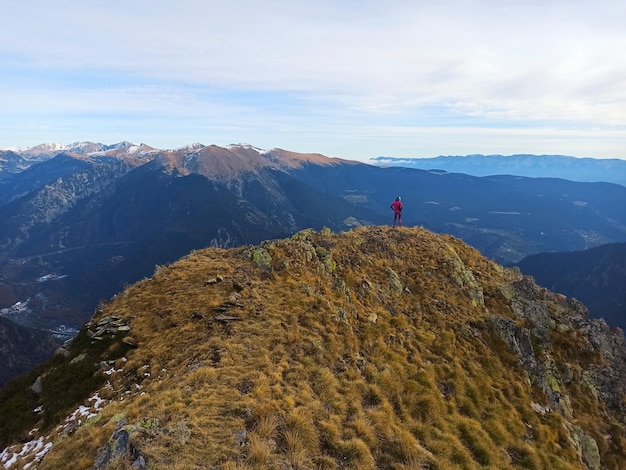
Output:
x=119 y=445
x=37 y=387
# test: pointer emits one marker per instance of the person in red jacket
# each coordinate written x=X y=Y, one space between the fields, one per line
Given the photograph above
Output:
x=397 y=211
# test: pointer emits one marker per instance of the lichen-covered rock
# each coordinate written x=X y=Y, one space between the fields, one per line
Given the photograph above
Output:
x=394 y=281
x=326 y=258
x=463 y=277
x=586 y=446
x=261 y=257
x=120 y=445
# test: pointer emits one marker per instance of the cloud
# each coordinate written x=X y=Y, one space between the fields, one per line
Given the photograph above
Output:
x=490 y=63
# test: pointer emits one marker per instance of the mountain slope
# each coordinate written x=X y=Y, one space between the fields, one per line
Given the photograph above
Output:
x=376 y=348
x=11 y=163
x=22 y=349
x=44 y=192
x=505 y=217
x=88 y=219
x=88 y=241
x=596 y=277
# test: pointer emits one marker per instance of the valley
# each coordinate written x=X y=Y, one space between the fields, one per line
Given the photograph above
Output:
x=82 y=222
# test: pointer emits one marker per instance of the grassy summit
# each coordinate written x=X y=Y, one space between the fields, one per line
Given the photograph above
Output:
x=375 y=348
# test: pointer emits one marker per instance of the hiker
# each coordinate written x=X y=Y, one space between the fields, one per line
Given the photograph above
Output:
x=397 y=211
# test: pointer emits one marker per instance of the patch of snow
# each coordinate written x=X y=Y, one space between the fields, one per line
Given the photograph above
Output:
x=39 y=455
x=81 y=146
x=191 y=147
x=16 y=308
x=248 y=147
x=37 y=448
x=52 y=146
x=20 y=306
x=44 y=148
x=51 y=277
x=86 y=412
x=97 y=401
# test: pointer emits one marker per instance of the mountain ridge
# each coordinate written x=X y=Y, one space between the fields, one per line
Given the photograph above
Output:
x=102 y=218
x=374 y=348
x=536 y=166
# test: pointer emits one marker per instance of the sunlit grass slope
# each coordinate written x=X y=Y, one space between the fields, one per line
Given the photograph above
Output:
x=365 y=350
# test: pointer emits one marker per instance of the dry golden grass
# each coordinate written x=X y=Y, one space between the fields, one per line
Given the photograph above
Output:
x=365 y=350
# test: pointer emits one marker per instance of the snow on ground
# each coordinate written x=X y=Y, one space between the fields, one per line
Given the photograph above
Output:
x=51 y=277
x=248 y=147
x=16 y=308
x=84 y=413
x=33 y=452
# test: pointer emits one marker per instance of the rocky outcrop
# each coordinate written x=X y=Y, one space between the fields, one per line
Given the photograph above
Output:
x=120 y=447
x=596 y=359
x=107 y=327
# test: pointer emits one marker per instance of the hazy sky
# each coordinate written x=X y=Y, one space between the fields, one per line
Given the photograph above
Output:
x=346 y=78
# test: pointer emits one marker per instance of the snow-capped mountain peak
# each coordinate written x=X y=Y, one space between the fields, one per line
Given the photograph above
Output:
x=247 y=147
x=191 y=147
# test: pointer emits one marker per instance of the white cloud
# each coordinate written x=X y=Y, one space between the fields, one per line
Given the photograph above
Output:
x=496 y=64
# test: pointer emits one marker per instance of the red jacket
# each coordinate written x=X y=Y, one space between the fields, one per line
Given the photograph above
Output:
x=397 y=207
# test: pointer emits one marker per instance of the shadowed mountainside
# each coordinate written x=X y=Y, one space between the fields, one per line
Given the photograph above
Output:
x=375 y=348
x=22 y=349
x=78 y=229
x=596 y=277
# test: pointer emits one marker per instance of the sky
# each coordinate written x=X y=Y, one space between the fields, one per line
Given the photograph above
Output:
x=354 y=79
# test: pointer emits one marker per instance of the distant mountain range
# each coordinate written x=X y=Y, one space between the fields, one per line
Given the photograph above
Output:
x=80 y=222
x=536 y=166
x=596 y=277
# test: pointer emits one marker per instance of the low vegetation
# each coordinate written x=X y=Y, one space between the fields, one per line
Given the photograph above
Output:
x=371 y=349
